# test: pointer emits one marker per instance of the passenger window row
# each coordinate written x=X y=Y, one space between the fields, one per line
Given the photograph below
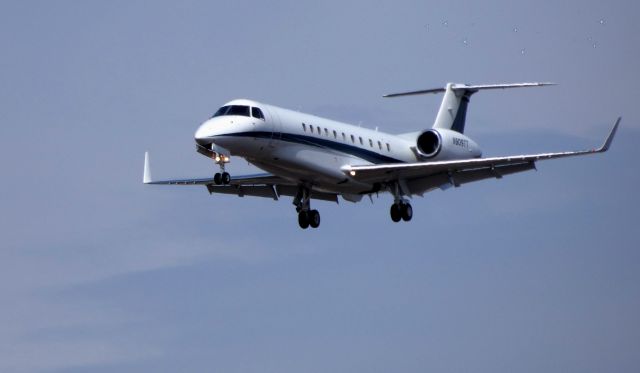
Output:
x=310 y=128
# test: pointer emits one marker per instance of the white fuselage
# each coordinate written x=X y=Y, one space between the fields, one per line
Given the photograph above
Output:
x=312 y=158
x=307 y=149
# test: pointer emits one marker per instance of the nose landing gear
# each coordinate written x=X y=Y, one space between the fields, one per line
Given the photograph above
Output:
x=222 y=177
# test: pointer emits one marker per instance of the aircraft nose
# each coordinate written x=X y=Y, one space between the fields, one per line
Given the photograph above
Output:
x=203 y=135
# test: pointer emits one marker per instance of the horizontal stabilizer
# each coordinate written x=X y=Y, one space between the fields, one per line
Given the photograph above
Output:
x=453 y=109
x=470 y=88
x=475 y=88
x=413 y=93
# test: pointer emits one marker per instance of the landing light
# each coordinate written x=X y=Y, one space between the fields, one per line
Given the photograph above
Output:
x=352 y=173
x=217 y=158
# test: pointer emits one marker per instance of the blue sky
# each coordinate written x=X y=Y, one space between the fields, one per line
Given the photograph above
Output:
x=534 y=272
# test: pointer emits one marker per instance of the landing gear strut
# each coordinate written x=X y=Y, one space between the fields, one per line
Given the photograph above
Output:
x=306 y=217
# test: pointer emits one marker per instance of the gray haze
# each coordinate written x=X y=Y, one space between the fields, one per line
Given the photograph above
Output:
x=537 y=272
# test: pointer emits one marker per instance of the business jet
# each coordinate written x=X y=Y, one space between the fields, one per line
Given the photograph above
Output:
x=311 y=158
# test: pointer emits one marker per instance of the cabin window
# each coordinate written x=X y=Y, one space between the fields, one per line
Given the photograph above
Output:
x=257 y=113
x=319 y=130
x=388 y=147
x=344 y=138
x=326 y=132
x=360 y=138
x=371 y=143
x=304 y=127
x=353 y=139
x=311 y=128
x=335 y=134
x=380 y=145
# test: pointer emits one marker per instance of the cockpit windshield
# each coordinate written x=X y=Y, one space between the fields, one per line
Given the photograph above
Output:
x=232 y=110
x=241 y=110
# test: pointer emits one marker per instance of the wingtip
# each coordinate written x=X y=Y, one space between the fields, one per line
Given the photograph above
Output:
x=612 y=133
x=146 y=176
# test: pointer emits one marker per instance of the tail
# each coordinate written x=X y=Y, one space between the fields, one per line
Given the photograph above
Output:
x=453 y=110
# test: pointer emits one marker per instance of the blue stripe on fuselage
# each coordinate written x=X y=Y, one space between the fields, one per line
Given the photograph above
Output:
x=365 y=154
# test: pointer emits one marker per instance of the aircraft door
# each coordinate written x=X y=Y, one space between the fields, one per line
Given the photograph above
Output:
x=274 y=124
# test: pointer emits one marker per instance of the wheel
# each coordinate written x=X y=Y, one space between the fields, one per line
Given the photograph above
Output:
x=396 y=214
x=303 y=219
x=407 y=211
x=217 y=178
x=314 y=218
x=226 y=178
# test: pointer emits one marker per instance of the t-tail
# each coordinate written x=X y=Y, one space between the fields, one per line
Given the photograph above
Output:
x=452 y=114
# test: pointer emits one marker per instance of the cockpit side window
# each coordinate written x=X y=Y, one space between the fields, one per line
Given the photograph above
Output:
x=221 y=111
x=257 y=113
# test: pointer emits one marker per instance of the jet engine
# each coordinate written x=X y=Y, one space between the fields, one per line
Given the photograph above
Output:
x=442 y=144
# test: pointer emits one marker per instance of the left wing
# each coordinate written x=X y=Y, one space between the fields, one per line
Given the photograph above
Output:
x=460 y=171
x=256 y=185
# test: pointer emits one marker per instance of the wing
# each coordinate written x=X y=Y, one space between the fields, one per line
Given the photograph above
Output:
x=424 y=176
x=256 y=185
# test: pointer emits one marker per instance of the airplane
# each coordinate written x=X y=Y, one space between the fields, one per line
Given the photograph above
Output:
x=312 y=158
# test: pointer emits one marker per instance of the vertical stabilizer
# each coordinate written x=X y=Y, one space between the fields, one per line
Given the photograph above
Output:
x=453 y=109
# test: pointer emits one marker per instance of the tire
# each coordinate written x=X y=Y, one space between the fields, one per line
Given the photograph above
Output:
x=407 y=211
x=314 y=218
x=303 y=219
x=395 y=213
x=226 y=178
x=217 y=178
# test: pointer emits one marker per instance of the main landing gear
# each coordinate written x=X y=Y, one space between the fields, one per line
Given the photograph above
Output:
x=401 y=210
x=309 y=218
x=306 y=217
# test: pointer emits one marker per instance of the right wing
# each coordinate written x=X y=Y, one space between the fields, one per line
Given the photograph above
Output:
x=456 y=172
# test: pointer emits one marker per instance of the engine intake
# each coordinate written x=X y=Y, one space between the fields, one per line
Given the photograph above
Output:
x=429 y=143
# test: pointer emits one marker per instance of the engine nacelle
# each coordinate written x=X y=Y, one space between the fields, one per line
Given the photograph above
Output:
x=442 y=144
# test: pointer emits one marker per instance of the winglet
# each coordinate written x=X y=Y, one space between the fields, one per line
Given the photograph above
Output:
x=146 y=178
x=607 y=142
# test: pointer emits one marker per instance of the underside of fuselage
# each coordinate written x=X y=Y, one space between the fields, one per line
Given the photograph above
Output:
x=314 y=167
